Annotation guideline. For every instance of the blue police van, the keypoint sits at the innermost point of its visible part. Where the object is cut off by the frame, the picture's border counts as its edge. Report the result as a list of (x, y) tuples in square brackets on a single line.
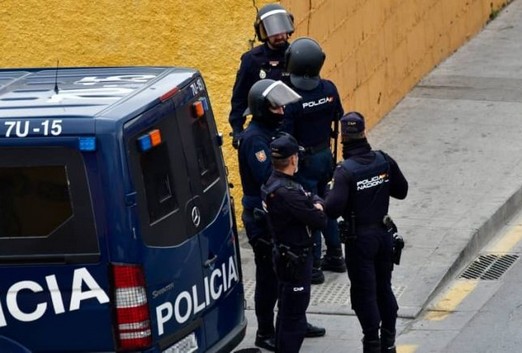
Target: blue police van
[(117, 231)]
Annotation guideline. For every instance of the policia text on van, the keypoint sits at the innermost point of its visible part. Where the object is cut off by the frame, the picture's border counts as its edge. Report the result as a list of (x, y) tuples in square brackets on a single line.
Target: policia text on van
[(116, 222)]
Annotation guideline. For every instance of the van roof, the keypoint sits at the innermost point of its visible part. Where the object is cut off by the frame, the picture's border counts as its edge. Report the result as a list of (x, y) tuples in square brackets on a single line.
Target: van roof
[(96, 92)]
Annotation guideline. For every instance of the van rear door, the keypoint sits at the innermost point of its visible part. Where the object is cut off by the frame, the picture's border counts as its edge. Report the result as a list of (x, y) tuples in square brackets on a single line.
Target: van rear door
[(185, 221), (210, 209)]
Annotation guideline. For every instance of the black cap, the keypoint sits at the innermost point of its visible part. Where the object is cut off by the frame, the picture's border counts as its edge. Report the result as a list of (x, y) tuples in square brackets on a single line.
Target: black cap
[(284, 146), (352, 126)]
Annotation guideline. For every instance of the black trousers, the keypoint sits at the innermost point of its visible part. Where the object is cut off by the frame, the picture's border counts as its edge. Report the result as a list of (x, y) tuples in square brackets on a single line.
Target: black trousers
[(294, 297), (265, 295), (370, 263)]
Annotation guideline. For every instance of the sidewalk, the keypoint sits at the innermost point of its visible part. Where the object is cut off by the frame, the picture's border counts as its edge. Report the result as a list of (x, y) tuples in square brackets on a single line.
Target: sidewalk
[(457, 137)]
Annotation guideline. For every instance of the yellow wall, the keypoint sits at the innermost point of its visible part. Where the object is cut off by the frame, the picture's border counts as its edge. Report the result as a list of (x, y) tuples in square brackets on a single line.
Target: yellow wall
[(376, 49), (209, 35)]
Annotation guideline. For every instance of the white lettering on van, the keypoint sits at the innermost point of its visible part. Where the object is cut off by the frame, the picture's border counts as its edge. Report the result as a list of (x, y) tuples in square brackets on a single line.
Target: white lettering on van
[(108, 93), (12, 301), (182, 297), (190, 303), (92, 80), (84, 287), (22, 128), (82, 276), (164, 314)]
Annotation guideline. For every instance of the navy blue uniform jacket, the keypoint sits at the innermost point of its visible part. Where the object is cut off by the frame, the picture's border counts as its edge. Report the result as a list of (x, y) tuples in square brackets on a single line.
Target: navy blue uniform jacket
[(310, 119), (254, 162), (270, 61), (292, 212), (338, 197)]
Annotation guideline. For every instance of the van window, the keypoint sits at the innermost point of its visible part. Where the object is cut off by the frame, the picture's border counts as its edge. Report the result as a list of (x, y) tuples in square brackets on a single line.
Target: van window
[(159, 183), (45, 207), (207, 163), (160, 178), (204, 161), (34, 201)]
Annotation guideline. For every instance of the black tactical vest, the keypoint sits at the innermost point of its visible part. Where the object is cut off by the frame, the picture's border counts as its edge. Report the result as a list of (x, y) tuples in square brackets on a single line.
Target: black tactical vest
[(369, 190)]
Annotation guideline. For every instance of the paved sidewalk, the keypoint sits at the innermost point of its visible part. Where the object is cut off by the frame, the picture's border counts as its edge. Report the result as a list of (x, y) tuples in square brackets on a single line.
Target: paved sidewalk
[(457, 136)]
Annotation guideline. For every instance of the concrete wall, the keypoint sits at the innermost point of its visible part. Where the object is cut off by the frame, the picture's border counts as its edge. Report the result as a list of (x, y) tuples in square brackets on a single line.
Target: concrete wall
[(376, 49)]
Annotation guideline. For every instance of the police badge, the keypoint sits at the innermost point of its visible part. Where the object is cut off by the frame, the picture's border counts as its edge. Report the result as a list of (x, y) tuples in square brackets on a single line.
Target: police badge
[(261, 156)]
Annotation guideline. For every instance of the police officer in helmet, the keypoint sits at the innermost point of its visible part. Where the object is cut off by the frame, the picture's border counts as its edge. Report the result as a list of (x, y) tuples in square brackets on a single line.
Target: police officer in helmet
[(266, 100), (273, 27), (292, 213), (360, 192), (314, 123)]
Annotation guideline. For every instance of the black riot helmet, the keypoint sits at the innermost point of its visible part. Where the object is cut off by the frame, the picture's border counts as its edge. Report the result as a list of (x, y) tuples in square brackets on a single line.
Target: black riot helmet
[(273, 19), (304, 59), (269, 93)]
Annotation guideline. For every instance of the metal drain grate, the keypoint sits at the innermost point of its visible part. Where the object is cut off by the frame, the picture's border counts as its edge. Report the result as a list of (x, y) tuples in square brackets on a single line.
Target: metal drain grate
[(489, 267), (330, 293)]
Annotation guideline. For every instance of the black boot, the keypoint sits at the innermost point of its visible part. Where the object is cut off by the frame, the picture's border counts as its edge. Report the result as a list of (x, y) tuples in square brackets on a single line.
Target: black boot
[(388, 341), (314, 331), (317, 273), (371, 346), (333, 264), (333, 260), (266, 341)]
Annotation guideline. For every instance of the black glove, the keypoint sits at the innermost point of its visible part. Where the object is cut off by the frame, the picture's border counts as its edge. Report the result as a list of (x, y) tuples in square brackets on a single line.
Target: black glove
[(235, 138)]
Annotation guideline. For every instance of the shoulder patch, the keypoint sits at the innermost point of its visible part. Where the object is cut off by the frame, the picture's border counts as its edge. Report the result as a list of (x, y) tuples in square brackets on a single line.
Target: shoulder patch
[(261, 156)]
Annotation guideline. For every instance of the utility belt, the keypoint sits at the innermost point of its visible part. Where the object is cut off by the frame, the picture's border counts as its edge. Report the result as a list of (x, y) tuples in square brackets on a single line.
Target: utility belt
[(294, 255), (348, 233), (290, 262), (317, 148), (348, 230), (376, 225)]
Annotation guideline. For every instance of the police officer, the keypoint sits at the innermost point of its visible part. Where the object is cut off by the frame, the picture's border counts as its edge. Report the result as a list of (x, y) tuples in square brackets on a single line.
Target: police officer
[(360, 192), (266, 99), (292, 213), (273, 27), (314, 122)]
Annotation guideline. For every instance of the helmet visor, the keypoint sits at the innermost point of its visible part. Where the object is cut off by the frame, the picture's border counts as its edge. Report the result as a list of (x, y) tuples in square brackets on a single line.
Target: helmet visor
[(276, 22), (278, 94)]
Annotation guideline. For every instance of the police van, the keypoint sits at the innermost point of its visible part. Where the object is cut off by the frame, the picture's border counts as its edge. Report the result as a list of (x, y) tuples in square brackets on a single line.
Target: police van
[(117, 231)]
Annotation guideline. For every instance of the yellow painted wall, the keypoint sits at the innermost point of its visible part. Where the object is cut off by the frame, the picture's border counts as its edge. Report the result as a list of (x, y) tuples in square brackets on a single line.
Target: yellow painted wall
[(209, 35), (376, 49)]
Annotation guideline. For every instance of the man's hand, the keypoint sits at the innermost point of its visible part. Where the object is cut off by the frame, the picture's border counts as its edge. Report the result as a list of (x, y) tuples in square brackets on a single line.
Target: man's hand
[(318, 206), (235, 139)]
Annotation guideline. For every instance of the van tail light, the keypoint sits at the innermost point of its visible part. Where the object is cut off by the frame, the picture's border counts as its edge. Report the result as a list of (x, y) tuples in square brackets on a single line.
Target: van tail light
[(133, 329)]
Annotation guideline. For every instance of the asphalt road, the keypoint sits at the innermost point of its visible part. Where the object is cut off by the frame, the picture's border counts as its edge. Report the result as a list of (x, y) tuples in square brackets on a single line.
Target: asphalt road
[(481, 310)]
